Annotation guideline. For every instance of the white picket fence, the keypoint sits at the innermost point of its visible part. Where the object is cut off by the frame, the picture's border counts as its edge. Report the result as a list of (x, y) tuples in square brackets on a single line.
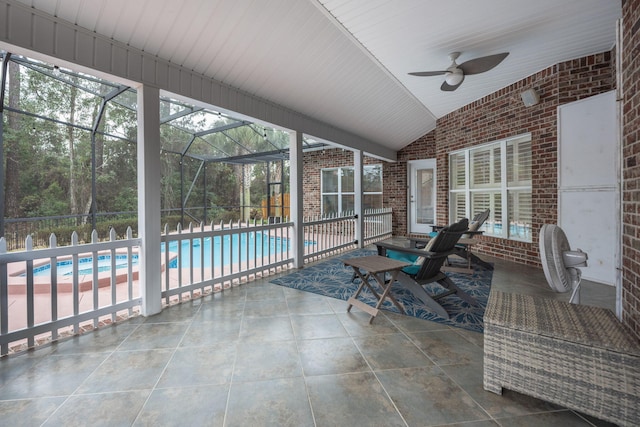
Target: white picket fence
[(39, 302), (37, 307)]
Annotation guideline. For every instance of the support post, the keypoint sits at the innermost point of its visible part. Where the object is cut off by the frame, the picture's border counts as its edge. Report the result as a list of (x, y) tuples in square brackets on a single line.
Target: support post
[(3, 80), (296, 197), (149, 227), (358, 160)]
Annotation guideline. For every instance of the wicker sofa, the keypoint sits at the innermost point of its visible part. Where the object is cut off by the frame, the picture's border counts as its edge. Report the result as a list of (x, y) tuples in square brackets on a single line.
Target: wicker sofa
[(576, 356)]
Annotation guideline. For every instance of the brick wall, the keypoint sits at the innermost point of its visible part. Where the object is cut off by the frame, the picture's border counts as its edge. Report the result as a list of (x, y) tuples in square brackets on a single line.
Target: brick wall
[(313, 162), (631, 164), (501, 115), (395, 177)]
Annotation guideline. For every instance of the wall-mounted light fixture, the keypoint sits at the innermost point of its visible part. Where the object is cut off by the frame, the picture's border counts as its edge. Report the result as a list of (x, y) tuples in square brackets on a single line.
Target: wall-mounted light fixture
[(530, 97)]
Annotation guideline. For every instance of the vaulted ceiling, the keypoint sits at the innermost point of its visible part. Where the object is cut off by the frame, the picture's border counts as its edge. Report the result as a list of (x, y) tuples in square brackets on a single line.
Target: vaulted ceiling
[(346, 62)]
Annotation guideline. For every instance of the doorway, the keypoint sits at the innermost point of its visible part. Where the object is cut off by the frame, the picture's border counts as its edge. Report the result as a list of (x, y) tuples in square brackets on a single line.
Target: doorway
[(422, 195)]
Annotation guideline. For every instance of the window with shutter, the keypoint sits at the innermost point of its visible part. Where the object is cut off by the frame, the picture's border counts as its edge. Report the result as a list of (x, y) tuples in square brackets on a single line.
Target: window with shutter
[(498, 178)]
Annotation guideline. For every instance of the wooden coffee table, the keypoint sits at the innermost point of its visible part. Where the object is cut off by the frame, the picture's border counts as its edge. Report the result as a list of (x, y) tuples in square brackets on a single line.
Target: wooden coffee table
[(375, 266)]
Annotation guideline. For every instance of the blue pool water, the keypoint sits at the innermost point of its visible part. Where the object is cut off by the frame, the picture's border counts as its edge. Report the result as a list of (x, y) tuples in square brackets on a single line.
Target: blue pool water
[(245, 246), (226, 249), (85, 265)]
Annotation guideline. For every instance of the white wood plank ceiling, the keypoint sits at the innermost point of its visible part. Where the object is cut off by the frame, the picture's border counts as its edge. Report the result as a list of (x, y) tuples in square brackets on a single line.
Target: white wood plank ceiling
[(345, 62)]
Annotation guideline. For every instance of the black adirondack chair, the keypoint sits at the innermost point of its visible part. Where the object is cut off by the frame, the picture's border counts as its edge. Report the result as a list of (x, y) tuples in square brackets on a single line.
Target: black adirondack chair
[(426, 266), (462, 249)]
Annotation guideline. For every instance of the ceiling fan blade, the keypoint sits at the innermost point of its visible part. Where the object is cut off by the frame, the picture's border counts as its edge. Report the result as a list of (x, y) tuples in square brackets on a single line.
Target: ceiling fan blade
[(480, 65), (448, 88), (427, 73)]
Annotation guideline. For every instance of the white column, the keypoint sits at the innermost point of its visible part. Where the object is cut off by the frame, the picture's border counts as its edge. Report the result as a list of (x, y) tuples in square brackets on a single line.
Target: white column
[(149, 227), (296, 197), (358, 160)]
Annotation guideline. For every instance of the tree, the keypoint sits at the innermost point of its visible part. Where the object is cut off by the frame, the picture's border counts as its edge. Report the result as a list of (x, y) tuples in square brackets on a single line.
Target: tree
[(73, 198), (11, 148)]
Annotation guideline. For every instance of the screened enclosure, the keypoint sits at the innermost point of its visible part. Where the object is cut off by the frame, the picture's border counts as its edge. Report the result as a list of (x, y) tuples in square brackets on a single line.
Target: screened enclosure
[(68, 148)]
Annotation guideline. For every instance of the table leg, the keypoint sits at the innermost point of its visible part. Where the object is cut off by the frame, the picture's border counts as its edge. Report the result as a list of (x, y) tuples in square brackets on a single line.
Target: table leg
[(394, 275), (363, 281), (384, 285)]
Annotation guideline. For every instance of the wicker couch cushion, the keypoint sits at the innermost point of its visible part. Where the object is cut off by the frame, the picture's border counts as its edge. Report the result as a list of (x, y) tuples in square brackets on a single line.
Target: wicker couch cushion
[(592, 326)]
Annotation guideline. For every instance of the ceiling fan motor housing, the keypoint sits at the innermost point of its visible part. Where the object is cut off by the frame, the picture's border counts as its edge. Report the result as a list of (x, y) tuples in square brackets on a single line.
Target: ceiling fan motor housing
[(454, 76)]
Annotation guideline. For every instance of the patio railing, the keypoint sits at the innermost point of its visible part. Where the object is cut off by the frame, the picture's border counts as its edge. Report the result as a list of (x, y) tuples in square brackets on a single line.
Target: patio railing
[(211, 258), (378, 225), (39, 301), (63, 290)]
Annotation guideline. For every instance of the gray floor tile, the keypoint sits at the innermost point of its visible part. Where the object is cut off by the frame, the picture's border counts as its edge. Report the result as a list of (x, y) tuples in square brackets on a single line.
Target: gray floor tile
[(547, 419), (103, 340), (154, 336), (331, 356), (53, 376), (266, 329), (219, 310), (428, 397), (351, 400), (185, 406), (266, 361), (473, 337), (230, 294), (104, 409), (192, 366), (391, 352), (127, 370), (357, 324), (264, 291), (337, 369), (308, 304), (278, 403), (484, 423), (317, 326), (14, 366), (266, 308), (413, 324), (28, 412), (509, 404), (211, 333), (446, 347), (182, 312)]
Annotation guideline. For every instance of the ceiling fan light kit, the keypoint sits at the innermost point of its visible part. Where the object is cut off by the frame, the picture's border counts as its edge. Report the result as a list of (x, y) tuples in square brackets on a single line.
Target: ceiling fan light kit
[(454, 74), (454, 77)]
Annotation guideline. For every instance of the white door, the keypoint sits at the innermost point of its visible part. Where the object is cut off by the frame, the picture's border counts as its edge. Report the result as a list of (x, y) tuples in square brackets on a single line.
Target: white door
[(422, 195)]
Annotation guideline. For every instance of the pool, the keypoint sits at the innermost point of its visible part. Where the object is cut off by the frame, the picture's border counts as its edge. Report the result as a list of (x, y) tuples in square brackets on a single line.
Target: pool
[(224, 250), (245, 246), (85, 265)]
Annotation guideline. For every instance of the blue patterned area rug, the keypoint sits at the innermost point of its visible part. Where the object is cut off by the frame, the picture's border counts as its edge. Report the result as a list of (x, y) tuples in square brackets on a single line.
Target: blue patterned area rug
[(333, 279)]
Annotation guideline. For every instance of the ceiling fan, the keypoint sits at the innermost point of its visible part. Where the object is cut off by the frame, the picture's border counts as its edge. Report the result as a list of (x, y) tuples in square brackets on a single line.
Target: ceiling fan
[(454, 74)]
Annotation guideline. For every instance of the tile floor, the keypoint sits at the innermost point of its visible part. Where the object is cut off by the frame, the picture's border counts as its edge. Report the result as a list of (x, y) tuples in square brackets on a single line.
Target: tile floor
[(265, 355)]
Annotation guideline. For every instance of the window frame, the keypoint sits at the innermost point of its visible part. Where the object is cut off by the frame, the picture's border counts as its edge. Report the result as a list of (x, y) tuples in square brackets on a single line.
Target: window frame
[(497, 194), (339, 193)]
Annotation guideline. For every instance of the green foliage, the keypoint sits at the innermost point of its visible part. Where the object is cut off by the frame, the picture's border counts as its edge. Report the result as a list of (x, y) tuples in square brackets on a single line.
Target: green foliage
[(50, 150), (50, 201), (63, 233)]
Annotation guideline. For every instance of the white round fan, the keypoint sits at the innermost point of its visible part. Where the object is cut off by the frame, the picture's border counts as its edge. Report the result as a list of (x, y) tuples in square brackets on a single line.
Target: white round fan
[(559, 262)]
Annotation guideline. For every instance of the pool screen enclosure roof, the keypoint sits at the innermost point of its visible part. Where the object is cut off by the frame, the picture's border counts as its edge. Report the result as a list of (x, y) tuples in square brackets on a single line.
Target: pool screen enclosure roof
[(188, 130), (110, 114)]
